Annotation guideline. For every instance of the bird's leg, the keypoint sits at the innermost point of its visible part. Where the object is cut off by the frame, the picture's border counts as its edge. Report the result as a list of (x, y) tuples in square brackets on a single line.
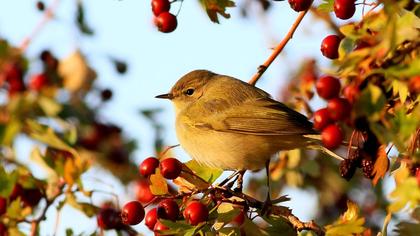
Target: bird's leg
[(267, 203), (228, 178), (240, 182)]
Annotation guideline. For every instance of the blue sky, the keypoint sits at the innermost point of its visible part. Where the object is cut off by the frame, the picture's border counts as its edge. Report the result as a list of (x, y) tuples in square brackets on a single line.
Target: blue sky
[(124, 29)]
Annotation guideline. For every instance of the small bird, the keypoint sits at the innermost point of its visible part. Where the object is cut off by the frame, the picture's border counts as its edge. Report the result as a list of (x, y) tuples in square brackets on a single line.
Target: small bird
[(226, 123)]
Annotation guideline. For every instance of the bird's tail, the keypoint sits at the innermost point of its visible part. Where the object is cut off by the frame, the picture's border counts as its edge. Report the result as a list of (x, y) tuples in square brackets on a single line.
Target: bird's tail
[(317, 145)]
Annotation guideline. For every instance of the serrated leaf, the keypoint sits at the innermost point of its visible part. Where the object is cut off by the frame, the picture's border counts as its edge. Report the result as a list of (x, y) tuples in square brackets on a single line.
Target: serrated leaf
[(349, 223), (401, 89), (226, 212), (253, 229), (406, 193), (208, 174), (158, 184), (229, 231), (7, 182), (217, 7), (326, 6), (381, 165)]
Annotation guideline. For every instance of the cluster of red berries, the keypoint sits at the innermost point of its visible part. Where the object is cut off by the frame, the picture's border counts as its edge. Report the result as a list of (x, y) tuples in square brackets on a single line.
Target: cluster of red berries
[(133, 212), (338, 109), (12, 75), (165, 21), (343, 9)]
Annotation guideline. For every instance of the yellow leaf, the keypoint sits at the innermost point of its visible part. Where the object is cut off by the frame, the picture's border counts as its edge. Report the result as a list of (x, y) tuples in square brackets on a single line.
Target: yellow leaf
[(158, 184), (351, 213), (348, 224), (69, 171), (76, 73), (406, 193), (381, 165), (188, 181), (401, 174)]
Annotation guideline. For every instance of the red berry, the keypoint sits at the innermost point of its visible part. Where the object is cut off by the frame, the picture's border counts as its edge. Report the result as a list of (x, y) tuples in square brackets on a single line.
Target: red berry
[(132, 213), (166, 22), (109, 218), (322, 118), (159, 6), (143, 193), (239, 219), (3, 230), (159, 227), (418, 175), (329, 46), (148, 166), (300, 5), (3, 205), (332, 136), (38, 81), (170, 168), (344, 9), (351, 92), (168, 209), (196, 212), (328, 87), (339, 108), (151, 218), (414, 85)]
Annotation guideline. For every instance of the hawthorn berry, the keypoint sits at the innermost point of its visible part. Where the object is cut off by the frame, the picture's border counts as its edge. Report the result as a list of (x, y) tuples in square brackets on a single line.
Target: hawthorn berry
[(344, 9), (166, 22), (196, 212), (328, 87), (109, 218), (148, 166), (329, 46), (168, 209), (159, 227), (414, 85), (322, 118), (240, 218), (300, 5), (132, 213), (339, 108), (159, 6), (170, 168), (38, 81), (143, 193), (3, 230), (347, 168), (418, 175), (351, 92), (151, 218), (332, 136), (3, 205)]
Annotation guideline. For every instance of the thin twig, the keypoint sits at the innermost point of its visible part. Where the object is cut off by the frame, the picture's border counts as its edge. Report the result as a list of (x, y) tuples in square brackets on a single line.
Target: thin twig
[(48, 15), (262, 68)]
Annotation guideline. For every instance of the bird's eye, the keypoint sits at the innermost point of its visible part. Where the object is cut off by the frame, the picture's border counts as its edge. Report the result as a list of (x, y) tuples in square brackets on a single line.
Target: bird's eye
[(189, 92)]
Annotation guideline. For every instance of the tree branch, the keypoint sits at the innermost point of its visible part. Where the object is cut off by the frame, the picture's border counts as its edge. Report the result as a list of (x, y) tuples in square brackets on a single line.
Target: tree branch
[(262, 68)]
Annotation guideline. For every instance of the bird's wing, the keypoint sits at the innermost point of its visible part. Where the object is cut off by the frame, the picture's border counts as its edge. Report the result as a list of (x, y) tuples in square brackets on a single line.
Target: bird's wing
[(261, 116)]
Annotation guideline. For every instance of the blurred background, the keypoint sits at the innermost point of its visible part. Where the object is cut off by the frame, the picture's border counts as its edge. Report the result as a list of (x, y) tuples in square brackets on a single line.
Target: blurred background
[(136, 62)]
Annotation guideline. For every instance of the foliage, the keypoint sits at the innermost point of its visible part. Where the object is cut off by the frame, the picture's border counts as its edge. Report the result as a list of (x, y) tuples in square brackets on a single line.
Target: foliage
[(378, 58)]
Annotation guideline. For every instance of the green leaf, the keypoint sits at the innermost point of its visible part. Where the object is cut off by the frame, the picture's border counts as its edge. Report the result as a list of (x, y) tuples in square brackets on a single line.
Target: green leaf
[(229, 231), (406, 193), (47, 135), (278, 224), (371, 102), (49, 106), (208, 174), (326, 6), (7, 182), (226, 212), (177, 227), (8, 132), (253, 229), (215, 7), (88, 209)]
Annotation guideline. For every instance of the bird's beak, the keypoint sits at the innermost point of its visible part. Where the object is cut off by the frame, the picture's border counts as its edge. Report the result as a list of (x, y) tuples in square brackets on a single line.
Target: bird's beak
[(165, 96)]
